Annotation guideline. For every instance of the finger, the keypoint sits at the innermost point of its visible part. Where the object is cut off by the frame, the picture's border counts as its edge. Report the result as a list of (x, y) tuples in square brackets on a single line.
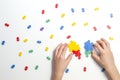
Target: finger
[(57, 49), (98, 47), (102, 44), (95, 56), (106, 42), (69, 58), (60, 50), (64, 50)]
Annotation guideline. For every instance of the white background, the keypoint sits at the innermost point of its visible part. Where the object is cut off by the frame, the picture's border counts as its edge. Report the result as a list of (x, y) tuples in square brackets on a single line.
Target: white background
[(11, 11)]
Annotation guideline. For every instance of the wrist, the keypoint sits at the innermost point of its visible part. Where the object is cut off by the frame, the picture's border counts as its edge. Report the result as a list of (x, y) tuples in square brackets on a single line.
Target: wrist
[(113, 73), (56, 76)]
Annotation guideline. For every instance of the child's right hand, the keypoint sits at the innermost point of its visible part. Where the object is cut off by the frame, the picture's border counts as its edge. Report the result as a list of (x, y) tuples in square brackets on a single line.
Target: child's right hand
[(105, 58)]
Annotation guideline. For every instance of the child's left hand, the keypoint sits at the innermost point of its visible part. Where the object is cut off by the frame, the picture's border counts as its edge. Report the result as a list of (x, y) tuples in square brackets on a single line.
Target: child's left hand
[(59, 61)]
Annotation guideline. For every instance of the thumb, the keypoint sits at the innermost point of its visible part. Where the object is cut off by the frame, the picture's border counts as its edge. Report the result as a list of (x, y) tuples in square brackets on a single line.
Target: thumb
[(95, 57), (69, 58)]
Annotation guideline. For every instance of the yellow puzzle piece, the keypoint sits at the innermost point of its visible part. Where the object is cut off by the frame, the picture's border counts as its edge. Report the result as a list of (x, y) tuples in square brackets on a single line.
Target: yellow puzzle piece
[(73, 46)]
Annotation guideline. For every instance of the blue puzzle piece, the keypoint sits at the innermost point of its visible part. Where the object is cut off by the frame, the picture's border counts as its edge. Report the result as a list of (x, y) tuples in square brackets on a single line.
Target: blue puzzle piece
[(13, 66), (29, 26), (67, 70), (72, 10), (103, 70), (61, 28), (88, 47), (83, 10), (111, 15), (3, 43)]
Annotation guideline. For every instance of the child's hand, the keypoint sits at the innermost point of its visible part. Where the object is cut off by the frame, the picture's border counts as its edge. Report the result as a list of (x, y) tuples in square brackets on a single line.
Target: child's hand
[(105, 58), (59, 61)]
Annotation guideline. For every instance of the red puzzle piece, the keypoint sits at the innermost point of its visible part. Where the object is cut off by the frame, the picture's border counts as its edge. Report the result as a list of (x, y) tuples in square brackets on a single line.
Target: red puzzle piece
[(77, 53)]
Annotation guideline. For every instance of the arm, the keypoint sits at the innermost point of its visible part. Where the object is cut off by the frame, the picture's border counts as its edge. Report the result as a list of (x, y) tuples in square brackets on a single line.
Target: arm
[(105, 58), (59, 62)]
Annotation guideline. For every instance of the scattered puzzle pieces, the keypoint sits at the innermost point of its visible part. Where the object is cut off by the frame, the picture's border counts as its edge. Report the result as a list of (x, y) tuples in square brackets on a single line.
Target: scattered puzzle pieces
[(111, 15), (51, 36), (43, 12), (108, 26), (61, 28), (12, 66), (56, 5), (26, 68), (48, 58), (86, 24), (83, 10), (74, 24), (25, 40), (68, 37), (39, 42), (103, 70), (7, 25), (73, 46), (62, 15), (24, 17), (48, 20), (84, 69), (46, 49), (111, 38), (96, 9), (29, 26), (3, 42), (30, 51), (36, 67), (17, 39), (42, 28), (20, 54), (67, 70), (94, 28), (72, 10)]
